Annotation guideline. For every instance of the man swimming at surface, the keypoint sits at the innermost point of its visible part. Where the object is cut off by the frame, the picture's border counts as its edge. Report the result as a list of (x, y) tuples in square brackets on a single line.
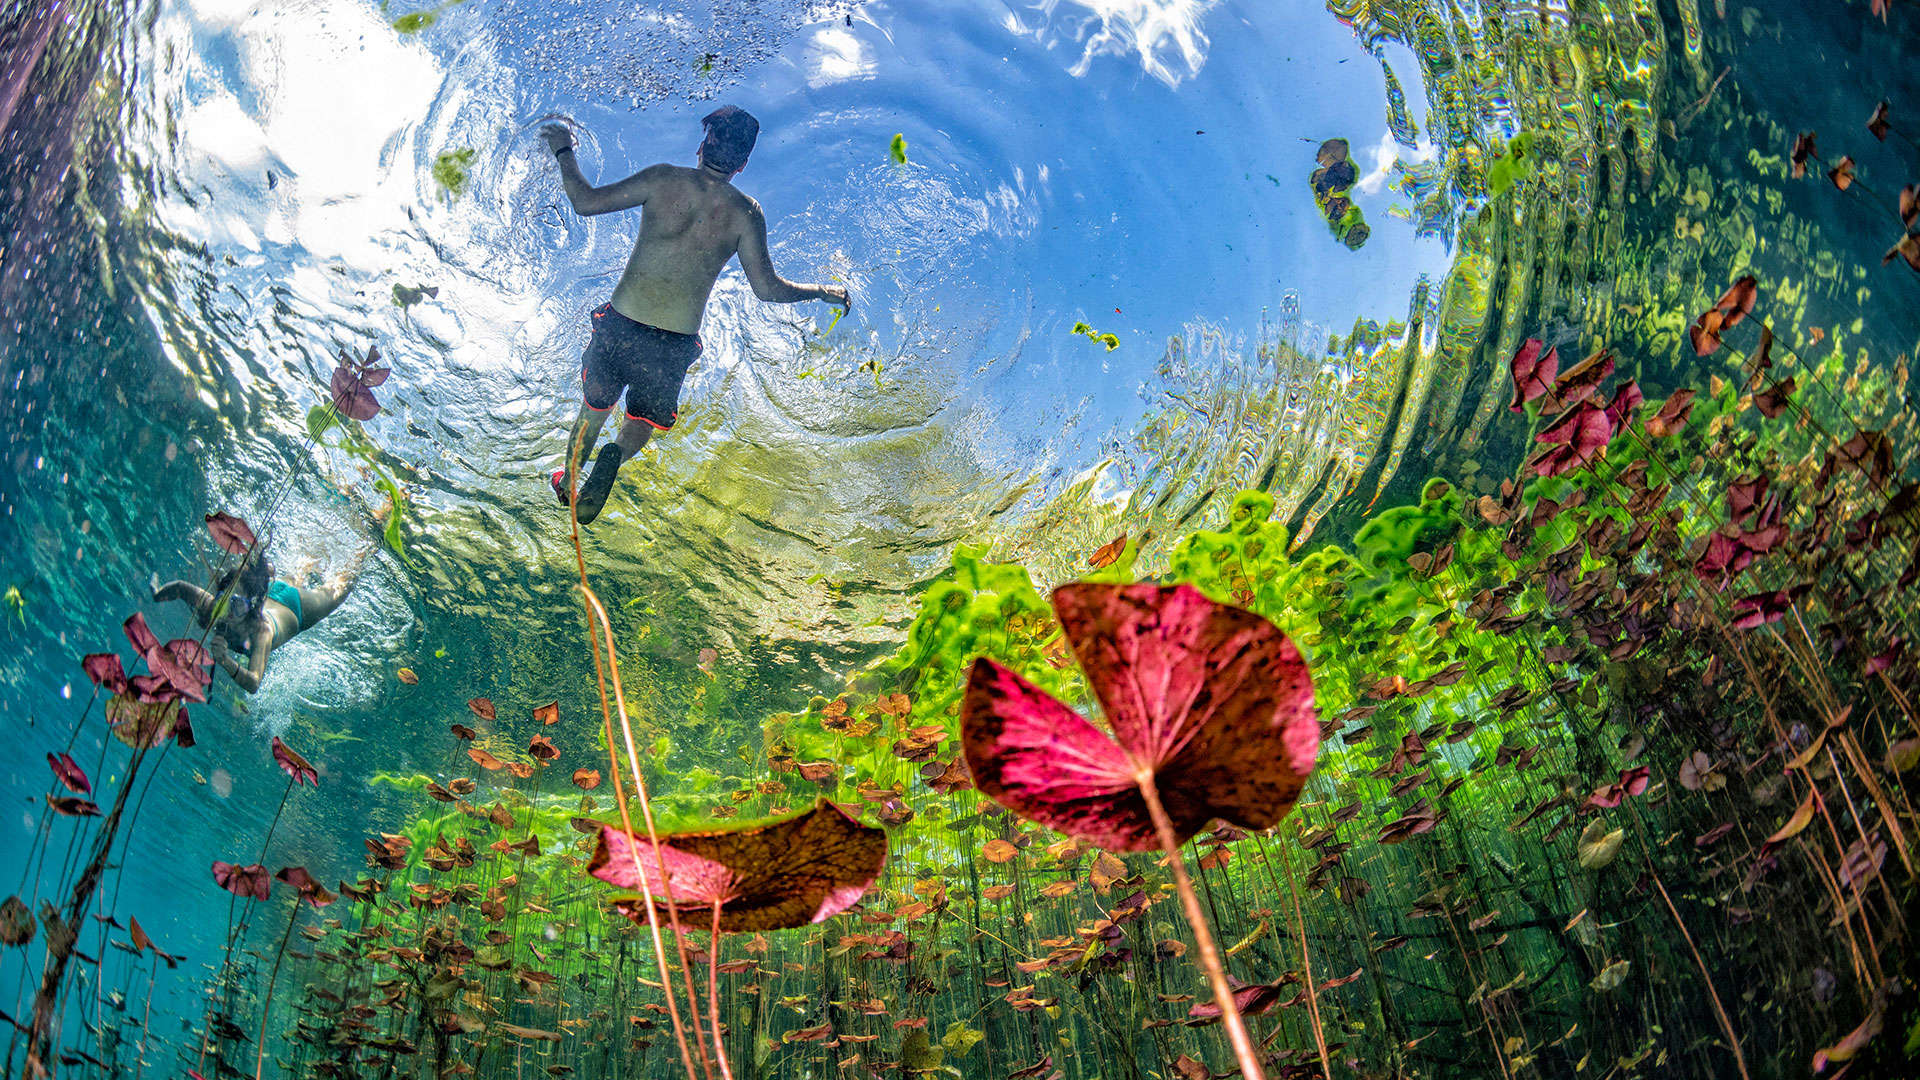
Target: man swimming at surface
[(691, 222), (261, 612)]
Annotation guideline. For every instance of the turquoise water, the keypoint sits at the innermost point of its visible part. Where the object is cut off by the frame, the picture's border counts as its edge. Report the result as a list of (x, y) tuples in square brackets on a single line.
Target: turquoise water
[(206, 202)]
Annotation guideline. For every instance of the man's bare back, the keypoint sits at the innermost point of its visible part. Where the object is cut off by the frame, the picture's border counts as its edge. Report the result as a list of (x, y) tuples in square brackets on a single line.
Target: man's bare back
[(691, 222)]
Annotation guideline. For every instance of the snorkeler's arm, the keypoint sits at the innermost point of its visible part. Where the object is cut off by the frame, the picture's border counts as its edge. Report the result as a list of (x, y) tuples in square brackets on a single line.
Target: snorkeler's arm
[(767, 283), (248, 678), (589, 200), (256, 669)]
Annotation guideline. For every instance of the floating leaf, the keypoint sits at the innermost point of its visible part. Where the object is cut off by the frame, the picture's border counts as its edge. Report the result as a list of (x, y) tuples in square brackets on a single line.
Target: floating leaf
[(548, 713), (1533, 374), (242, 881), (485, 760), (1108, 552), (1598, 847), (232, 534), (999, 851), (407, 676), (897, 149), (294, 765), (310, 890), (542, 748), (353, 383), (482, 708), (16, 922), (1210, 702), (1610, 976), (69, 773), (790, 872), (586, 779)]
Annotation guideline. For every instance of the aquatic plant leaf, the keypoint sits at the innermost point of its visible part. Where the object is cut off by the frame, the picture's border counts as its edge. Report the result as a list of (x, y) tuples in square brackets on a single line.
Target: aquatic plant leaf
[(482, 708), (1597, 846), (310, 890), (462, 731), (294, 765), (1802, 150), (999, 851), (1610, 976), (1213, 702), (242, 881), (1582, 381), (1253, 999), (1877, 122), (72, 806), (105, 671), (536, 1034), (1842, 173), (1907, 248), (142, 724), (542, 748), (485, 760), (586, 779), (1856, 1040), (1573, 441), (69, 773), (231, 533), (1773, 400), (1801, 817), (1759, 609), (1533, 374), (407, 676), (897, 149), (1626, 401), (548, 713), (16, 922), (353, 382), (1910, 206), (1108, 552), (786, 873)]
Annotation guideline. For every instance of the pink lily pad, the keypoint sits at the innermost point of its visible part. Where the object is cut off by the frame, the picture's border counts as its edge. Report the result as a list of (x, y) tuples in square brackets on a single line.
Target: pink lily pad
[(231, 533), (786, 873), (242, 881), (1533, 374), (1212, 703), (69, 773), (294, 765)]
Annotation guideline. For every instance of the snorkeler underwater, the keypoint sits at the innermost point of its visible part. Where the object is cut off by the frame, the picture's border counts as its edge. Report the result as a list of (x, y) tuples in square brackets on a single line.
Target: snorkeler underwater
[(1143, 539)]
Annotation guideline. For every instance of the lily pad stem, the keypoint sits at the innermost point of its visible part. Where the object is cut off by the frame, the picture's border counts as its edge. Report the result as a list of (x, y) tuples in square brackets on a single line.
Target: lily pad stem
[(1243, 1048)]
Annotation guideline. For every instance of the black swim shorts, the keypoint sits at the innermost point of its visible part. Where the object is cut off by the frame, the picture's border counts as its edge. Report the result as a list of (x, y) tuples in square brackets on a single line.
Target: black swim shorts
[(647, 362)]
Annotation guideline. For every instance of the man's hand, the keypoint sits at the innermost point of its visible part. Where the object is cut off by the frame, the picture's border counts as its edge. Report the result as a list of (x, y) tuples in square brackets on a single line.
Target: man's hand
[(836, 295), (558, 137)]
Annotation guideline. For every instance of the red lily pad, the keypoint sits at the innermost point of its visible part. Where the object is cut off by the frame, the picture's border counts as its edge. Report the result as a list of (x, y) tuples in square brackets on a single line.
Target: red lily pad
[(310, 890), (69, 773), (105, 671), (792, 872), (242, 881), (1212, 703), (294, 765), (353, 382), (232, 534), (1533, 374)]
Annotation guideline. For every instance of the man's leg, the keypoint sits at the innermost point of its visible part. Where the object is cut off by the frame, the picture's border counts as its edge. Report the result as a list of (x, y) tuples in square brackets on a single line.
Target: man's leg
[(580, 442), (634, 433)]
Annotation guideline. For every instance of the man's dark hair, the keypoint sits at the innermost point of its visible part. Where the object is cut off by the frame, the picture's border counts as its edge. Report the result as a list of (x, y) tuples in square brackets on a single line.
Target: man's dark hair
[(731, 132)]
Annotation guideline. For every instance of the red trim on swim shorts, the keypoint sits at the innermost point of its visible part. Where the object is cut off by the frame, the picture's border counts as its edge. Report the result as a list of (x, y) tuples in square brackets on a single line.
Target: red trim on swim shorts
[(596, 408), (652, 424)]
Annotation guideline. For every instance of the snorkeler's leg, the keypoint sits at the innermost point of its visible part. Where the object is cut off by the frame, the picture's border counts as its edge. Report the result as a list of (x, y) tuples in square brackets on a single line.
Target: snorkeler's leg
[(606, 467), (580, 440), (200, 600)]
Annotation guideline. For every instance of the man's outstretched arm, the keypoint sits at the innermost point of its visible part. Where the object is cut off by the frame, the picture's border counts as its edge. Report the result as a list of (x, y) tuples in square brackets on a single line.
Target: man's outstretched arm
[(587, 199), (767, 284)]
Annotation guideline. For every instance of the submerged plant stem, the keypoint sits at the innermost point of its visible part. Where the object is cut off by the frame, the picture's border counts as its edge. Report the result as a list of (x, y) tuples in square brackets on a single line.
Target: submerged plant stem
[(713, 994), (266, 1009), (1243, 1047), (1719, 1011), (1306, 972)]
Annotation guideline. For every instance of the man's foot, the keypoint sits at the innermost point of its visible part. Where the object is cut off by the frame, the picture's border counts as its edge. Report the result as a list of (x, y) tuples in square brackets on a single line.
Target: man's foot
[(153, 586), (558, 481), (593, 494)]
